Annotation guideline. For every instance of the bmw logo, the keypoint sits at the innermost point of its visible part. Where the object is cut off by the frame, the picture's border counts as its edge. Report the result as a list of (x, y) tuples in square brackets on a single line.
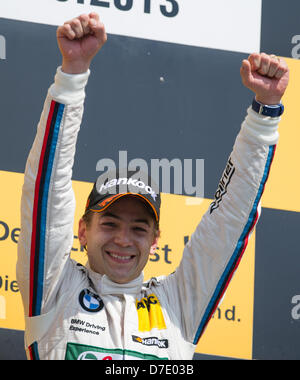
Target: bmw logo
[(90, 302)]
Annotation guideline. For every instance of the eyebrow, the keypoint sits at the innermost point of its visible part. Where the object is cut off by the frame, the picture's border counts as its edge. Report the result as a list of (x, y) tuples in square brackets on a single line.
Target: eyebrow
[(111, 215)]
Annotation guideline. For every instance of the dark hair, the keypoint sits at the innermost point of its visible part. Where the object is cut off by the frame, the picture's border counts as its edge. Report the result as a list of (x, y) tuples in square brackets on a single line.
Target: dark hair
[(87, 217)]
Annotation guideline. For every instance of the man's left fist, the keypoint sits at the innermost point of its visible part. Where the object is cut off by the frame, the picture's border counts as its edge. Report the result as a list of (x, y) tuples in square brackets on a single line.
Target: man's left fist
[(267, 76)]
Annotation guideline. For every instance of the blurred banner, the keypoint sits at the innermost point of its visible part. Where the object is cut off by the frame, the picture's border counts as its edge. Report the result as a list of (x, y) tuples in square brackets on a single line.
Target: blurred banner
[(212, 24)]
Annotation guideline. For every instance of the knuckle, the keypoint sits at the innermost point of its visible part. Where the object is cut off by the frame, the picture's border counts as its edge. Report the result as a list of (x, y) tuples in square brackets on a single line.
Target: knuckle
[(265, 59), (94, 14), (75, 22), (84, 18), (67, 28), (281, 66), (255, 55), (274, 63)]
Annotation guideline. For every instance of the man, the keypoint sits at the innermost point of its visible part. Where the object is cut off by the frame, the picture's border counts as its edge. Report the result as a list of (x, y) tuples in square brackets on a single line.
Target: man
[(104, 311)]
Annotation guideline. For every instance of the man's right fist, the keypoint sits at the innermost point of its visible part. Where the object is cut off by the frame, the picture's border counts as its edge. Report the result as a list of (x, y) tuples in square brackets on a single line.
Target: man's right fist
[(79, 40)]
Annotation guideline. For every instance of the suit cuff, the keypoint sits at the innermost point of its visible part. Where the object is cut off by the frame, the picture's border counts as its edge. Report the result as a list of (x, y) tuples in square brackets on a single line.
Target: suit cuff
[(69, 88)]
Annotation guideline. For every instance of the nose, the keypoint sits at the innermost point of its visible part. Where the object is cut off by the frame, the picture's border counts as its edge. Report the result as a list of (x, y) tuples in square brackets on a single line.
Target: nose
[(122, 237)]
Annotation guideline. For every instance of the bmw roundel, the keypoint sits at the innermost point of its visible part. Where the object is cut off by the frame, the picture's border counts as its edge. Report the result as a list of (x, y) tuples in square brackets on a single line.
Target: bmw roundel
[(90, 302)]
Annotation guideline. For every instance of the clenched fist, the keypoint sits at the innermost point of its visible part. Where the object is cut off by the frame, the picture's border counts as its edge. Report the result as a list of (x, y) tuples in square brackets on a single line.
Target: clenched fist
[(79, 40), (267, 76)]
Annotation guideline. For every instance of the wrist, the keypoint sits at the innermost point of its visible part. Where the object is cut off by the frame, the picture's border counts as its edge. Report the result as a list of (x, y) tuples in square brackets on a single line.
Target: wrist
[(270, 110), (268, 101), (75, 67)]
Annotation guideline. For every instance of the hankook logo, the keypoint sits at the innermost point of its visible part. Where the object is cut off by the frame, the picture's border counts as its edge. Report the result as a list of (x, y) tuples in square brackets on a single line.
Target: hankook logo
[(126, 181), (151, 341)]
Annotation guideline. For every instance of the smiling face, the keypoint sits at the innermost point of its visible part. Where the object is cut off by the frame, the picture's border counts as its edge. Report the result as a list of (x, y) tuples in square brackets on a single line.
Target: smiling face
[(119, 239)]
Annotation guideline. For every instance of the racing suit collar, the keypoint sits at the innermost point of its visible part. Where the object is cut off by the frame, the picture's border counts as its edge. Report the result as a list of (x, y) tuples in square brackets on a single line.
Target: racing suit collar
[(105, 286)]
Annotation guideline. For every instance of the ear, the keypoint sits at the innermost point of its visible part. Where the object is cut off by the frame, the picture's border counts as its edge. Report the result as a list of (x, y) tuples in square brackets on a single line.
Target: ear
[(154, 244), (82, 232)]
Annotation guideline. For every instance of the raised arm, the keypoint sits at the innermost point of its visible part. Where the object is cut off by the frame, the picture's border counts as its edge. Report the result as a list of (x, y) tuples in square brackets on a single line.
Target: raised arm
[(47, 205), (215, 249)]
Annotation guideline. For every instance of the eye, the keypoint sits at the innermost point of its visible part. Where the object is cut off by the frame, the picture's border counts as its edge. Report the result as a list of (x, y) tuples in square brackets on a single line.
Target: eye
[(108, 224), (140, 229)]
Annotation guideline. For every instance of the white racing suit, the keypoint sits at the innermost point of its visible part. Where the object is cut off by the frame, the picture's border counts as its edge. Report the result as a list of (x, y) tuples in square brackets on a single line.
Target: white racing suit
[(72, 312)]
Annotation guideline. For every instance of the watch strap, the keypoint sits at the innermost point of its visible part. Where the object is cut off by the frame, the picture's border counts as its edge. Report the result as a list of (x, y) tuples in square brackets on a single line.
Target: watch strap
[(265, 110)]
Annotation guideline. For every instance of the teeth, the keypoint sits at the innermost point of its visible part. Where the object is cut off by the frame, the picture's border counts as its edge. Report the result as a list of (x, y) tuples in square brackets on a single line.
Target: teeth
[(119, 257)]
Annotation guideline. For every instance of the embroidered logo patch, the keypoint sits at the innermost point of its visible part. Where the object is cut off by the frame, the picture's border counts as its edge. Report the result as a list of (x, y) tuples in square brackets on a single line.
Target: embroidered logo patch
[(90, 302), (151, 341)]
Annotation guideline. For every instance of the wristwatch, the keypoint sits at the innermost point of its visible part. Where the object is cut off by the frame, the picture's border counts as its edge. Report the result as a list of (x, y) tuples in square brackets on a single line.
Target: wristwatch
[(271, 111)]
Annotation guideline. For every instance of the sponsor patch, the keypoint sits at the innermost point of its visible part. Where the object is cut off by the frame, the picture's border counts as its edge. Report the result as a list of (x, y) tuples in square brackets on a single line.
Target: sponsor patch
[(90, 302), (140, 185), (151, 341), (77, 351), (223, 184), (150, 315)]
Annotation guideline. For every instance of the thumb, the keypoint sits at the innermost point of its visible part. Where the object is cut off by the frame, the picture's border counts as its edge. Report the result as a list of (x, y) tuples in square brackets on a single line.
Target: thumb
[(246, 72)]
